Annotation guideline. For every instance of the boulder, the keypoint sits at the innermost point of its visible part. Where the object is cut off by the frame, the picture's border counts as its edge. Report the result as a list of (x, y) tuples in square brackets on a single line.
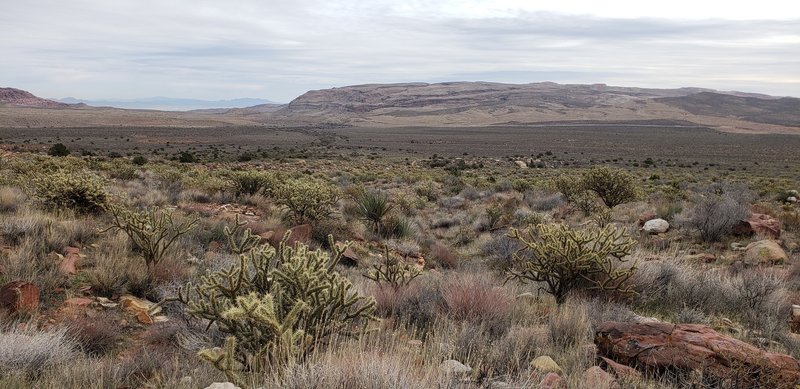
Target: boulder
[(521, 164), (552, 381), (658, 347), (19, 296), (758, 224), (645, 217), (451, 366), (791, 199), (69, 261), (597, 378), (349, 257), (545, 364), (656, 226), (764, 252), (621, 371), (301, 233), (222, 385), (144, 310)]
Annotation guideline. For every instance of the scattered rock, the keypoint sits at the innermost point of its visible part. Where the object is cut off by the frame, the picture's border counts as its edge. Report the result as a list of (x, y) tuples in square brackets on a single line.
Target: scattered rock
[(222, 385), (690, 347), (552, 381), (645, 217), (791, 199), (621, 371), (78, 302), (69, 261), (144, 310), (521, 164), (764, 252), (349, 257), (758, 224), (597, 378), (451, 366), (19, 296), (736, 246), (656, 226), (545, 364), (702, 257), (527, 297)]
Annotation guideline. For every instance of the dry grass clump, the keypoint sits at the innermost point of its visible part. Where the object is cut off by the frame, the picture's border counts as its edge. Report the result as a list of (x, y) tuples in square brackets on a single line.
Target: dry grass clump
[(96, 336), (479, 299), (11, 199), (31, 351)]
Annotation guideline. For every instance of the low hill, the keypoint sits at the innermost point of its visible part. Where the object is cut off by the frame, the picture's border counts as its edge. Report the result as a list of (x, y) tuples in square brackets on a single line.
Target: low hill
[(20, 98)]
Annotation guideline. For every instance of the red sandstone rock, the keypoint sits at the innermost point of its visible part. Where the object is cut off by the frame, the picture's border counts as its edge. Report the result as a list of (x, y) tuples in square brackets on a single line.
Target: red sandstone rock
[(19, 296), (664, 346), (69, 263), (759, 224)]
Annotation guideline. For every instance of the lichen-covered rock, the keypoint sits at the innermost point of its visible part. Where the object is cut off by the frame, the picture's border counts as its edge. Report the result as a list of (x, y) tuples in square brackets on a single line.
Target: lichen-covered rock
[(545, 364), (656, 226), (764, 252)]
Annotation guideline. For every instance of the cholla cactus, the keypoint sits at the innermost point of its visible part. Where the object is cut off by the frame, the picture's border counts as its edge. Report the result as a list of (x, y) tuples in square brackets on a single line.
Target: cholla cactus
[(153, 231), (306, 200), (392, 272), (277, 305), (565, 259)]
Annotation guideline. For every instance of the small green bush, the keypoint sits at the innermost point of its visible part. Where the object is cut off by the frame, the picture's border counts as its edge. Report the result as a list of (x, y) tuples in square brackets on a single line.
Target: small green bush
[(613, 186), (58, 150), (139, 160), (306, 200), (82, 190), (250, 182), (374, 207)]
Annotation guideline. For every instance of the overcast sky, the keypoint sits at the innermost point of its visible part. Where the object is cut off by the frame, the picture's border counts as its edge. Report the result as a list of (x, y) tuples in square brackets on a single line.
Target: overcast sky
[(95, 49)]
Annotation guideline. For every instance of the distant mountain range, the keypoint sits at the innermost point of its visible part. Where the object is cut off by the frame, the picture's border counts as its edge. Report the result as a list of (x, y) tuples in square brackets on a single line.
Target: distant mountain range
[(450, 104), (168, 103)]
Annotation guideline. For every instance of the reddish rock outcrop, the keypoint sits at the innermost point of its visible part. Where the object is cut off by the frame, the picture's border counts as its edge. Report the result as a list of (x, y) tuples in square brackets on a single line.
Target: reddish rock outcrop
[(19, 296), (69, 263), (759, 224), (663, 347), (18, 97)]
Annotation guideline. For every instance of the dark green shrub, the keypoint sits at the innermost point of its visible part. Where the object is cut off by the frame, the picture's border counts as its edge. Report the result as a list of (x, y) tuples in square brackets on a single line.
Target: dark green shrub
[(613, 186), (250, 182), (58, 150), (82, 191), (139, 160)]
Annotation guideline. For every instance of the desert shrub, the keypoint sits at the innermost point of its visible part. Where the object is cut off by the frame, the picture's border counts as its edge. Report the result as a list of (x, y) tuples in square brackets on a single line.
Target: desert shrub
[(392, 272), (444, 256), (500, 251), (569, 325), (692, 316), (58, 150), (251, 182), (31, 351), (418, 305), (716, 212), (306, 200), (352, 370), (152, 231), (398, 227), (477, 299), (427, 190), (568, 185), (790, 218), (670, 286), (187, 157), (11, 199), (276, 305), (82, 191), (566, 259), (374, 208), (543, 202), (521, 185), (139, 160), (613, 186), (95, 336)]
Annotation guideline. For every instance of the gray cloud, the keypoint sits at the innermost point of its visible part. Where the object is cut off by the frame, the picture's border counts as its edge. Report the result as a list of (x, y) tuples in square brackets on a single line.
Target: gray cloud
[(278, 50)]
